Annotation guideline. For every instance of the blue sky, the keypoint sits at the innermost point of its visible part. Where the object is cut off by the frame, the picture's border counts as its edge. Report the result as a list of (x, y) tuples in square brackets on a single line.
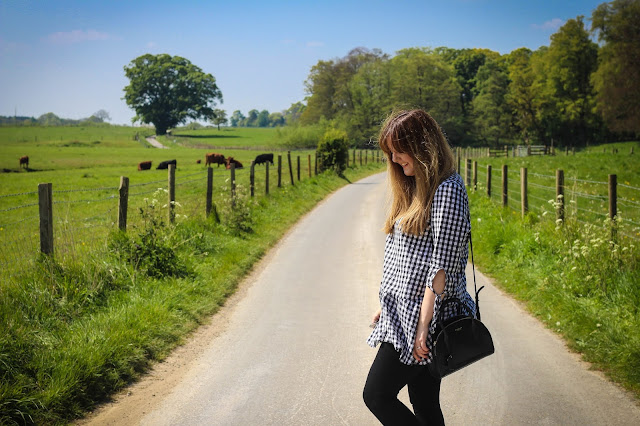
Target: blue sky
[(67, 57)]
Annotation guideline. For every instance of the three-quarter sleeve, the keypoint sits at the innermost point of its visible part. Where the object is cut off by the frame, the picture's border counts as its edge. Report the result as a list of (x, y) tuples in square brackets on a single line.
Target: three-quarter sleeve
[(449, 230)]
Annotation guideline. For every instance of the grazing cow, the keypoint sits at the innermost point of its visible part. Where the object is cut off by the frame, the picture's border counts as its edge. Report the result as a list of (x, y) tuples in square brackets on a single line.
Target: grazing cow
[(24, 160), (231, 160), (144, 165), (214, 158), (165, 164), (198, 161), (263, 158)]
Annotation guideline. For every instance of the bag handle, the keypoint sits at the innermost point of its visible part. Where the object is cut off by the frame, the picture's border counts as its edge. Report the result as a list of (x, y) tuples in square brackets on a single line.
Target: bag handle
[(475, 288)]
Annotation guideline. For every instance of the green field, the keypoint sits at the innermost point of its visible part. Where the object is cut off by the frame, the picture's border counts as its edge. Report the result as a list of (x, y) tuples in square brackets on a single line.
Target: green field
[(83, 326), (84, 165), (585, 179)]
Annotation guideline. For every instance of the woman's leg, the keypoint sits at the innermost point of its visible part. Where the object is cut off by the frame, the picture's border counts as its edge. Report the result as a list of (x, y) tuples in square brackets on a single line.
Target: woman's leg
[(424, 393), (386, 377)]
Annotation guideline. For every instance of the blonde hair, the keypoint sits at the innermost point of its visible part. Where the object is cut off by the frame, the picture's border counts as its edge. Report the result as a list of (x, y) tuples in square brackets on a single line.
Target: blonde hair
[(417, 134)]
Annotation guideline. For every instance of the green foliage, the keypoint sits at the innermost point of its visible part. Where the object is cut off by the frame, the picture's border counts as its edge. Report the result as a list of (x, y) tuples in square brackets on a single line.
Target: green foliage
[(151, 250), (301, 137), (617, 79), (238, 213), (333, 150), (168, 90), (574, 277), (75, 332)]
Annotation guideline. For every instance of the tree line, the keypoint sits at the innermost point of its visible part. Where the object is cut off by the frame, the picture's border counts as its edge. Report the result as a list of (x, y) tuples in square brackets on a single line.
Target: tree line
[(50, 119), (573, 92)]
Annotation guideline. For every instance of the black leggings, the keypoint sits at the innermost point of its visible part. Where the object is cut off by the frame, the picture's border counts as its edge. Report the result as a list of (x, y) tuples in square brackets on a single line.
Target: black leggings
[(387, 376)]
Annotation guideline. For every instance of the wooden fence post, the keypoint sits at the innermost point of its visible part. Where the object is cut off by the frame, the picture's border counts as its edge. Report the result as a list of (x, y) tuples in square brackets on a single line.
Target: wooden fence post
[(354, 157), (506, 151), (279, 171), (233, 185), (298, 161), (45, 202), (489, 180), (252, 177), (475, 175), (505, 186), (366, 156), (309, 163), (467, 173), (266, 179), (172, 193), (613, 203), (316, 162), (123, 203), (560, 195), (360, 157), (524, 199), (458, 159), (209, 190), (290, 166)]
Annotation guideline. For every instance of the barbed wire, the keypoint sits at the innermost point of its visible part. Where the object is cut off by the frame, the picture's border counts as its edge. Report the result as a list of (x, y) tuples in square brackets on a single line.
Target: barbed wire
[(541, 175), (96, 200), (535, 185), (143, 193), (19, 207), (591, 211), (147, 183), (20, 221), (588, 196), (20, 193), (189, 181), (629, 186), (588, 181), (109, 188)]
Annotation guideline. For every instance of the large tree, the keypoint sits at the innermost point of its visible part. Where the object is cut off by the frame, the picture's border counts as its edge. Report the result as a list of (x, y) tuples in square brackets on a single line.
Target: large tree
[(571, 59), (617, 80), (168, 90), (492, 115)]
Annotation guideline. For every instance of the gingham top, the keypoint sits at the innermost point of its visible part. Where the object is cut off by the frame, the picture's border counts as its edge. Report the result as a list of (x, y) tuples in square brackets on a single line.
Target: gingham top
[(410, 264)]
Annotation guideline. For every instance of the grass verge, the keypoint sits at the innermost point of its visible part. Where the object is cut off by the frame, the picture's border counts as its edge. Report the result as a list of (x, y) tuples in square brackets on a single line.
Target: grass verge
[(77, 332), (574, 277)]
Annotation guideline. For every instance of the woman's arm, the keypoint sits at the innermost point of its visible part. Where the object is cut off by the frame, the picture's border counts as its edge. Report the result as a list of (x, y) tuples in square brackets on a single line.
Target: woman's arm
[(420, 350)]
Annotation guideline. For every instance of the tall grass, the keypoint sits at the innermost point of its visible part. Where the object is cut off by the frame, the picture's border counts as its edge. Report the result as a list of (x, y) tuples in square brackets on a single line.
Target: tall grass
[(573, 276), (74, 332)]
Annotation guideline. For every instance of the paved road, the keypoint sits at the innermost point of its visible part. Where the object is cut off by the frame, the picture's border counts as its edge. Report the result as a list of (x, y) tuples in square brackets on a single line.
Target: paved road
[(293, 352), (154, 142)]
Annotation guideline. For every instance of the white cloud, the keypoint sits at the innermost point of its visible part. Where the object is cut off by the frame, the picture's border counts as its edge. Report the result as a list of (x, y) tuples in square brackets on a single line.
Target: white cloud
[(151, 45), (76, 36), (552, 25), (315, 44), (287, 41)]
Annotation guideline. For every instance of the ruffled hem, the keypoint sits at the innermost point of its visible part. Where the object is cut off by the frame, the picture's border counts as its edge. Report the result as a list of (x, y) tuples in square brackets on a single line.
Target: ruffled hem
[(407, 312)]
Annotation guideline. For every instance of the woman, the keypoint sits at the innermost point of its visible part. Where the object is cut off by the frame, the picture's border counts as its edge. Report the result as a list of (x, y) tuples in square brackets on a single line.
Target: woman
[(424, 261)]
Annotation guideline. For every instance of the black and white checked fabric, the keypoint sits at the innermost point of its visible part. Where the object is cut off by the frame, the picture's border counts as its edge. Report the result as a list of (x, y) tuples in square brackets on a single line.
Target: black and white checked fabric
[(411, 262)]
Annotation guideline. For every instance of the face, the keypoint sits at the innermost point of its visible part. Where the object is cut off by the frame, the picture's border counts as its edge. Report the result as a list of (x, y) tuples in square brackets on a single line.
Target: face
[(404, 160)]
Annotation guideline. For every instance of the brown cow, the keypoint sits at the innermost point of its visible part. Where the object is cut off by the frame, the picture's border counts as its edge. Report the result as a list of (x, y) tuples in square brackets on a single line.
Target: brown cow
[(198, 161), (214, 158), (144, 165), (232, 160), (24, 160)]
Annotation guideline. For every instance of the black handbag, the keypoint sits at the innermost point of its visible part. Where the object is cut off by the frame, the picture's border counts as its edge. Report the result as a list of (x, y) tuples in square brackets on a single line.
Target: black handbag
[(462, 339)]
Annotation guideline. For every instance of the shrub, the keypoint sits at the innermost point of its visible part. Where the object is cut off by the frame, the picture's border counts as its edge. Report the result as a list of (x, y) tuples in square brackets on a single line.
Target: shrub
[(333, 150), (150, 250)]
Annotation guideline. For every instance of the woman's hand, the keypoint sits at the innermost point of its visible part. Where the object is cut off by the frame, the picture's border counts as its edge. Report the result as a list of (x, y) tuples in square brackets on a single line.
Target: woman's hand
[(420, 350), (376, 318)]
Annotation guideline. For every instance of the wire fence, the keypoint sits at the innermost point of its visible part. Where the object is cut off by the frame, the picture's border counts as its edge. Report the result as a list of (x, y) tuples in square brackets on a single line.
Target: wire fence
[(585, 201), (83, 218)]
